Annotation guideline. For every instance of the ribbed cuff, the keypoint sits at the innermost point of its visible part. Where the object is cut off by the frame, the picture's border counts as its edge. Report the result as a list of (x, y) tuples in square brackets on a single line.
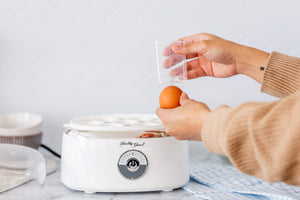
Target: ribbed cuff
[(212, 135), (281, 77)]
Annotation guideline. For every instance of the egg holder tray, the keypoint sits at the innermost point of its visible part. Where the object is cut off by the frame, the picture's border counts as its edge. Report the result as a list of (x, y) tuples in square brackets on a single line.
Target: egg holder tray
[(117, 123)]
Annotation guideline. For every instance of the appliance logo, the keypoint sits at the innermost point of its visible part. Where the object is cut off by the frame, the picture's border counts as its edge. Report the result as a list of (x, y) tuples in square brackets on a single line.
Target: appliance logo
[(132, 144)]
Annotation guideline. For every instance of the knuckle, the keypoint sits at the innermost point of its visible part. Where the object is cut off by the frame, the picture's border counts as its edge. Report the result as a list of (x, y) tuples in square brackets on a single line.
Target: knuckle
[(186, 48), (205, 44), (169, 130), (192, 101), (207, 35)]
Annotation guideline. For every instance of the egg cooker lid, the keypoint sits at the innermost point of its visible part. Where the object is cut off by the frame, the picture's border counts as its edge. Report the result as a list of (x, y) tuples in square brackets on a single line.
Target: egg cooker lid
[(116, 123)]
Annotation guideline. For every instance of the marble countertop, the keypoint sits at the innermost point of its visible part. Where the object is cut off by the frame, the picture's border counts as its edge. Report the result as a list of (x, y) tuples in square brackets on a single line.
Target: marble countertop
[(55, 190)]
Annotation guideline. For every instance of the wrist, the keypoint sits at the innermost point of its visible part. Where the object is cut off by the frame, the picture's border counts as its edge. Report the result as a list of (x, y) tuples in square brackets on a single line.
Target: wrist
[(213, 134), (203, 113), (249, 62)]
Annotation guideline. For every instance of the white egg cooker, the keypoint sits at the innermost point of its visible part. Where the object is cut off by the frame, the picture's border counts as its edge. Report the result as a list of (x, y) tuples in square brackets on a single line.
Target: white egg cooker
[(103, 154)]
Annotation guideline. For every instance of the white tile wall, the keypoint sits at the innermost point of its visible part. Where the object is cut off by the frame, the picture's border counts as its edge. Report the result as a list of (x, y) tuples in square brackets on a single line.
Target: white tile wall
[(67, 58)]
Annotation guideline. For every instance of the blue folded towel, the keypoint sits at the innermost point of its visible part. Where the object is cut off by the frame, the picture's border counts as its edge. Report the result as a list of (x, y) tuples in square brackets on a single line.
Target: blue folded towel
[(217, 181)]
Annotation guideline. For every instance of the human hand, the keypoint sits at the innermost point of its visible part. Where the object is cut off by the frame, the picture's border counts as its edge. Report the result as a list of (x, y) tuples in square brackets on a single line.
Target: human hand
[(216, 57), (184, 122)]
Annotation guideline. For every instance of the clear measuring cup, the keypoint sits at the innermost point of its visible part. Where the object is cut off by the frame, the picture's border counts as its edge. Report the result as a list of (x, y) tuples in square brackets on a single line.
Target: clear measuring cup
[(171, 67), (22, 173)]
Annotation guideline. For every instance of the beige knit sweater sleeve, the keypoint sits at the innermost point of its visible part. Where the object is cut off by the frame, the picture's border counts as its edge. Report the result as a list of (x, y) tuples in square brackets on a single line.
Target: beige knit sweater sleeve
[(263, 139)]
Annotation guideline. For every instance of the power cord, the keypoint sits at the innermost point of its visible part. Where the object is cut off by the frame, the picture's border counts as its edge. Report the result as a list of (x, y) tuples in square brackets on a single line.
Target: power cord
[(50, 150)]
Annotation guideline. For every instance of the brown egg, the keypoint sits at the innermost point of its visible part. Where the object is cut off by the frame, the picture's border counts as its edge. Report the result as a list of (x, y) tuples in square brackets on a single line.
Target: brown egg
[(170, 97)]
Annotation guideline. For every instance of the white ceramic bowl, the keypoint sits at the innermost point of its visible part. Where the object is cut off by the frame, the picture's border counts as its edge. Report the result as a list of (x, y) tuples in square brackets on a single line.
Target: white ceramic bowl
[(21, 128)]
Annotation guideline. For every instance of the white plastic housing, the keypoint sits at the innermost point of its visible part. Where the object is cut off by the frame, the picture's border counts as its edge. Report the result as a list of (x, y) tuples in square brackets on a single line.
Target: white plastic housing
[(90, 164)]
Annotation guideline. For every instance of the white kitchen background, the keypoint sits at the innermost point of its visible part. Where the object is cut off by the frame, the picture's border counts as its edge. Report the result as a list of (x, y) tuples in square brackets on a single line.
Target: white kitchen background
[(67, 58)]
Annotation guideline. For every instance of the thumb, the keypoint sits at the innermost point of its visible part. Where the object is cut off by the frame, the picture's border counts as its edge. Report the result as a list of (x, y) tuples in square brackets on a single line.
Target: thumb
[(159, 112), (184, 99), (163, 114), (198, 47)]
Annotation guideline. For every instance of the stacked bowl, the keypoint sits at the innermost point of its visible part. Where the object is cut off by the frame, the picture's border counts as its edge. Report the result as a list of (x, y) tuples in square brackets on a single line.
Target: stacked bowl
[(21, 128)]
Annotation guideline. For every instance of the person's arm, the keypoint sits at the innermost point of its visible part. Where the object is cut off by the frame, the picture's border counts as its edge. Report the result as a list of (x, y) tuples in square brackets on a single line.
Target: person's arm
[(216, 57), (282, 75), (260, 139), (263, 139)]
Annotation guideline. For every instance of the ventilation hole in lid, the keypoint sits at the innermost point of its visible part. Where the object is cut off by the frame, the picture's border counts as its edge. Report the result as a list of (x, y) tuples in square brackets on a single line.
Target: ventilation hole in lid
[(104, 125), (100, 125), (130, 121), (121, 121), (153, 124), (152, 119), (117, 124), (139, 124), (112, 119), (120, 118), (134, 118), (96, 122)]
